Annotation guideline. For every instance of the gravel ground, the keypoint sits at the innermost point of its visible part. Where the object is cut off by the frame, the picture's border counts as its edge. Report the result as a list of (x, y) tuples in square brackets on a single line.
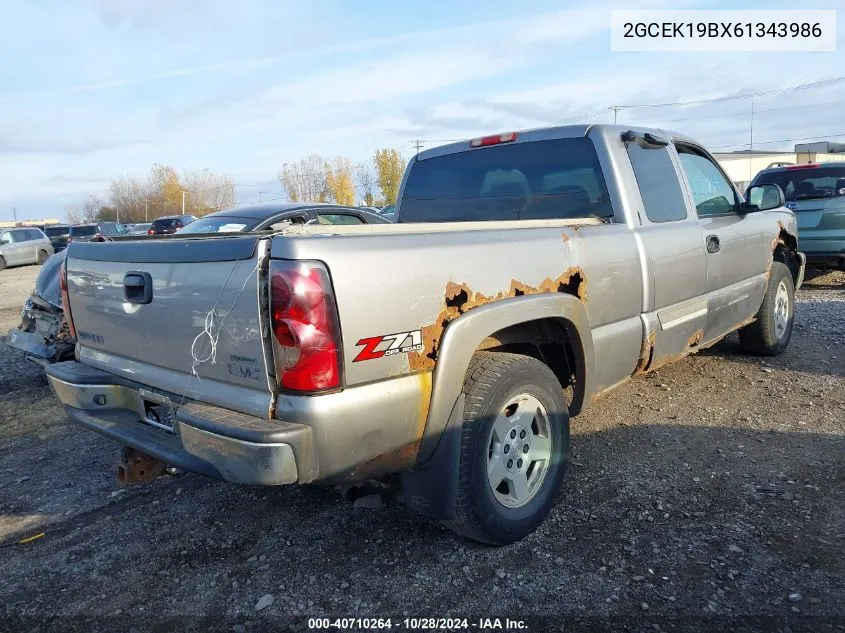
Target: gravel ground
[(706, 495)]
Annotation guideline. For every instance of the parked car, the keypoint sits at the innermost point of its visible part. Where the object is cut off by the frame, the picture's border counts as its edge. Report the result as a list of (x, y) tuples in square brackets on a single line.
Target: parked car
[(265, 217), (95, 231), (169, 224), (816, 193), (43, 335), (26, 245), (139, 229), (442, 348), (57, 234)]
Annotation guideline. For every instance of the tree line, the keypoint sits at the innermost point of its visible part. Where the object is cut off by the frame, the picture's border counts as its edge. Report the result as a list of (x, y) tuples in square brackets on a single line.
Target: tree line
[(165, 191), (162, 192), (316, 179)]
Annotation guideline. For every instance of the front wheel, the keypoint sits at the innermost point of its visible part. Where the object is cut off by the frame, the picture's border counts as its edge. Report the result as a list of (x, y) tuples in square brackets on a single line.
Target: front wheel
[(42, 256), (771, 331), (514, 447)]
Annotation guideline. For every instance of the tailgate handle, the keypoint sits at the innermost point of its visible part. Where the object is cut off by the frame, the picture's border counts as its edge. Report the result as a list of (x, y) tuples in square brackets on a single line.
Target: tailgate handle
[(138, 287)]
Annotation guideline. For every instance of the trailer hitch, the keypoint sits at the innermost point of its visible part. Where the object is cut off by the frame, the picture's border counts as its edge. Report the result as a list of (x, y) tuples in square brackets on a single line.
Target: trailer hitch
[(137, 467)]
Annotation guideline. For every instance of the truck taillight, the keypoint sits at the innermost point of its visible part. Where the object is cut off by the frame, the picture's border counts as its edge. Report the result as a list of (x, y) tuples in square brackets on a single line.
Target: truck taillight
[(65, 299), (306, 335)]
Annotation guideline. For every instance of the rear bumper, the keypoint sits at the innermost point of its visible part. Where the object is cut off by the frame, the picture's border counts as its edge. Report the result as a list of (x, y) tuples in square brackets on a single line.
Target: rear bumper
[(205, 439), (802, 269), (826, 259)]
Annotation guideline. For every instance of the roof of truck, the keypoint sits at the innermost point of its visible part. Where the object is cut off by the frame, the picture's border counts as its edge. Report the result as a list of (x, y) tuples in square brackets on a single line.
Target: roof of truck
[(549, 133)]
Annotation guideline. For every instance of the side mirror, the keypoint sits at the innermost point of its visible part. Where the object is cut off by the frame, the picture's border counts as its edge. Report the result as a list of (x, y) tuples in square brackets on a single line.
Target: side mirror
[(763, 198)]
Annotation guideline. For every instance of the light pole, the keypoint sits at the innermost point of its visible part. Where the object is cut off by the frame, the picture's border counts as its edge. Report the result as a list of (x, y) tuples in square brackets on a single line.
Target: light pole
[(146, 210), (183, 201)]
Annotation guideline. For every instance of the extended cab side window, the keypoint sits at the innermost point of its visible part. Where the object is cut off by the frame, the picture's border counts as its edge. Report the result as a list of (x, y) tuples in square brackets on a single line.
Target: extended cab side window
[(663, 198), (712, 192)]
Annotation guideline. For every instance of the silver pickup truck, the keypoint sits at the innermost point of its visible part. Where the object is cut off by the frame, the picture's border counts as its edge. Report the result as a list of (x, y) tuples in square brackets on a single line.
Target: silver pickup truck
[(527, 274)]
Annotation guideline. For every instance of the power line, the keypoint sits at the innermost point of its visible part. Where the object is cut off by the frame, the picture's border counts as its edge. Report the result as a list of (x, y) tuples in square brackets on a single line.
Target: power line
[(783, 140), (815, 84)]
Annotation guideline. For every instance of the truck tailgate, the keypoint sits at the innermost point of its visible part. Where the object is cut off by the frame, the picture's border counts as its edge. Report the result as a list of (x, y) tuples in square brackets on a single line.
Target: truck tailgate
[(196, 334)]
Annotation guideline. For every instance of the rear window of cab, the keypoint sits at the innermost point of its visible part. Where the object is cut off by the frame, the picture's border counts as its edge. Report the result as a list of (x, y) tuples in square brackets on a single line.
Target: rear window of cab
[(558, 178)]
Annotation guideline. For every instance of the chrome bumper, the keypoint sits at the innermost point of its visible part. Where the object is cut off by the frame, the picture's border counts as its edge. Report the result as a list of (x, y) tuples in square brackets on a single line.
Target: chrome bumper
[(205, 439)]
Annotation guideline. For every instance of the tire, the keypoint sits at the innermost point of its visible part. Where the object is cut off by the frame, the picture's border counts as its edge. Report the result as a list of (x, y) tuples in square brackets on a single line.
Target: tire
[(42, 256), (501, 390), (2, 263), (770, 333)]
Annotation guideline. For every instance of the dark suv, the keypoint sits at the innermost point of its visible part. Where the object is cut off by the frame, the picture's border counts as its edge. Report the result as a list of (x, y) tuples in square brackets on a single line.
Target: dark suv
[(95, 232), (58, 234), (816, 194), (169, 224)]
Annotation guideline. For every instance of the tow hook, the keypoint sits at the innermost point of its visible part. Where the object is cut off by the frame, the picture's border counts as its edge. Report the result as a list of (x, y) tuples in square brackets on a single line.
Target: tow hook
[(137, 467)]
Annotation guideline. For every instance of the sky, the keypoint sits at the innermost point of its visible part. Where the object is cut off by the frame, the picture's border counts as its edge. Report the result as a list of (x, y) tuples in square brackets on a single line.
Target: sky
[(97, 89)]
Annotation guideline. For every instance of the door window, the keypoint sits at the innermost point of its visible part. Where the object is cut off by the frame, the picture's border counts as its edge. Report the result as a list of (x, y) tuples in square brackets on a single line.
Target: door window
[(663, 199), (712, 192), (338, 218)]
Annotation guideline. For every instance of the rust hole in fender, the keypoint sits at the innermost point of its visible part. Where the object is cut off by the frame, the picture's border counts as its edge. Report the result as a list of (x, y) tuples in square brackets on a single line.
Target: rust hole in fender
[(460, 298)]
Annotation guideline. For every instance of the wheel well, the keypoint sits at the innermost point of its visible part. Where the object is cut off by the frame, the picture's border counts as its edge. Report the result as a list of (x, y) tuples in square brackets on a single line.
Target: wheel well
[(552, 341), (787, 257)]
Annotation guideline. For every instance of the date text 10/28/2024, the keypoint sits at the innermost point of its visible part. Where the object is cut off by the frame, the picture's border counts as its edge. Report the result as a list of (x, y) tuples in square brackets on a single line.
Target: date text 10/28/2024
[(417, 624)]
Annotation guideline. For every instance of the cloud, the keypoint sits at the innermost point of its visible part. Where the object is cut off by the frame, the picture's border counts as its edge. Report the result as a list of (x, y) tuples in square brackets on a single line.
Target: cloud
[(62, 146)]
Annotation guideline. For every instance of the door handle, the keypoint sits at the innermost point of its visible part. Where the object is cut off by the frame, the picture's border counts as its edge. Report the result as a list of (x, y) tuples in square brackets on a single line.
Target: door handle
[(713, 245), (138, 287)]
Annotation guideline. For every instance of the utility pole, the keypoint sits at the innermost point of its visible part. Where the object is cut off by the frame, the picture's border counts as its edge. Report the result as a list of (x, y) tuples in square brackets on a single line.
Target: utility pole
[(751, 140), (183, 201), (260, 193), (146, 210), (15, 214), (117, 213), (615, 109), (418, 143)]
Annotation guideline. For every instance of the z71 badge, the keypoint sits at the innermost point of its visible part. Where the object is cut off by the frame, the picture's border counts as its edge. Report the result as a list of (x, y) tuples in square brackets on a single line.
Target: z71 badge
[(389, 344)]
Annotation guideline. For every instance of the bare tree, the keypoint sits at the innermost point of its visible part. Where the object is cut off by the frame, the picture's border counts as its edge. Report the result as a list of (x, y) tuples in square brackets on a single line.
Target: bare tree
[(207, 191), (366, 184), (305, 181)]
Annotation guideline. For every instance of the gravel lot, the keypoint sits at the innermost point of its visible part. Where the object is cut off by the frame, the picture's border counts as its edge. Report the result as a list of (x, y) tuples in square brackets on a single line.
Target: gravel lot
[(707, 495)]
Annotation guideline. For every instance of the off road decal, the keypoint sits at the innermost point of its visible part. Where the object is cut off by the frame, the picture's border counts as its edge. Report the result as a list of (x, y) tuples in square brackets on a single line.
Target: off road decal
[(403, 342)]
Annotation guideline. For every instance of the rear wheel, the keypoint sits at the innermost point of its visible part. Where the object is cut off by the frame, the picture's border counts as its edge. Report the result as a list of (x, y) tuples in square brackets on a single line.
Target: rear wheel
[(42, 256), (2, 263), (514, 446), (771, 331)]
